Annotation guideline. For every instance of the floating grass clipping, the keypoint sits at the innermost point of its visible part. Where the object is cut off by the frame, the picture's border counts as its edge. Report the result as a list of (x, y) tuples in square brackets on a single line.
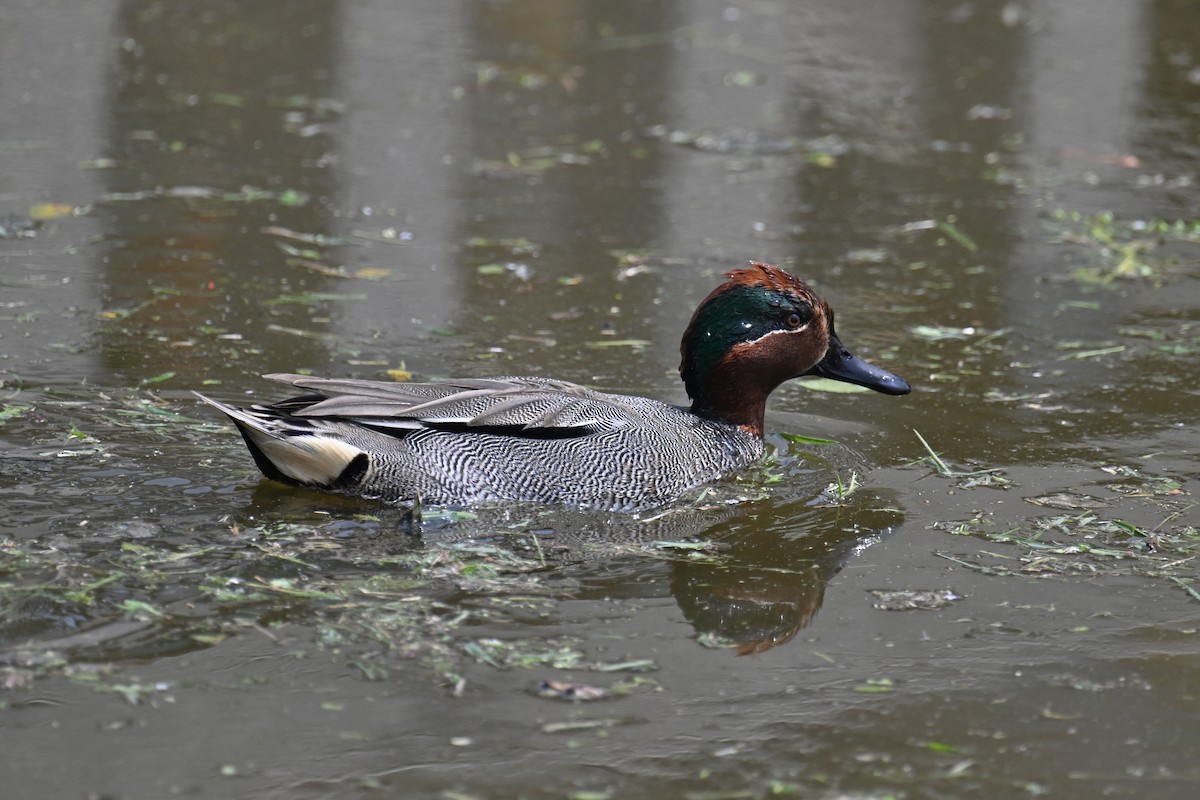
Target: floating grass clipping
[(1186, 585), (841, 491), (938, 464), (979, 477), (796, 438), (1087, 545), (966, 242)]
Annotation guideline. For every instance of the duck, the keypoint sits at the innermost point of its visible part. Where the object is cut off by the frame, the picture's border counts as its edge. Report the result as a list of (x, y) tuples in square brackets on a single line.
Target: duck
[(479, 440)]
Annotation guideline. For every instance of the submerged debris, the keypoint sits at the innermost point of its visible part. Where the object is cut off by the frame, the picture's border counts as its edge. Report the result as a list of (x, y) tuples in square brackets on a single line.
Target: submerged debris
[(14, 226), (911, 599)]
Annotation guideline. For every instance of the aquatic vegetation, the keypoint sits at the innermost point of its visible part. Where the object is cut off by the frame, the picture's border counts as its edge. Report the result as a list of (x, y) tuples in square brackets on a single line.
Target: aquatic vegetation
[(1083, 544), (990, 477), (372, 591), (1118, 249)]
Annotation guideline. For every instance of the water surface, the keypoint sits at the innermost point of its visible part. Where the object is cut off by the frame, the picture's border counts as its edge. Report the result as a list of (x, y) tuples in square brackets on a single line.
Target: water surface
[(999, 200)]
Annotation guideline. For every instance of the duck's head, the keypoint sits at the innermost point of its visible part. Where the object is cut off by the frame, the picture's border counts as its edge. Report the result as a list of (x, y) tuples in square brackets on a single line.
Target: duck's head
[(762, 327)]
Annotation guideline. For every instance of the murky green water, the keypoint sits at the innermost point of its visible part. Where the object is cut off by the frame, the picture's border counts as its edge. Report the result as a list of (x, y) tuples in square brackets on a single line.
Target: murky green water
[(999, 199)]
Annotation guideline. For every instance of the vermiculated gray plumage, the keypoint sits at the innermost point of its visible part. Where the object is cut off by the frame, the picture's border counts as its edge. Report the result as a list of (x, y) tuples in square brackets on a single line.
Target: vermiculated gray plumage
[(542, 440)]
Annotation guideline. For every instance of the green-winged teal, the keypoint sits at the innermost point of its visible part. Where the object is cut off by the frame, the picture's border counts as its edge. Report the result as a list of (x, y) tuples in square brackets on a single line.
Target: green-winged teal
[(464, 441)]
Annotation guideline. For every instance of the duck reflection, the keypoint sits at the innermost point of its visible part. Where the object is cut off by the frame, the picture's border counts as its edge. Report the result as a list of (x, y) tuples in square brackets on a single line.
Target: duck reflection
[(749, 575), (770, 583)]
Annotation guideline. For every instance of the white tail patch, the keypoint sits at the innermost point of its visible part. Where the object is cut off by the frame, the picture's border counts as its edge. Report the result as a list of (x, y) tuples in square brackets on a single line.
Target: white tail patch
[(315, 460)]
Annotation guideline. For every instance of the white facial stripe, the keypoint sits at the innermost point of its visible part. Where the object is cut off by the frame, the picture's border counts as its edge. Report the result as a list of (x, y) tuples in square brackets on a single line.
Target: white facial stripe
[(787, 332)]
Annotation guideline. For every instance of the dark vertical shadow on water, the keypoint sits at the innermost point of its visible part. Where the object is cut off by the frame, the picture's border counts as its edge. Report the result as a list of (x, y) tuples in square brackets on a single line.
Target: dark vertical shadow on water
[(198, 107), (565, 88), (928, 198), (1163, 129), (1091, 77), (972, 77), (600, 86), (1165, 133)]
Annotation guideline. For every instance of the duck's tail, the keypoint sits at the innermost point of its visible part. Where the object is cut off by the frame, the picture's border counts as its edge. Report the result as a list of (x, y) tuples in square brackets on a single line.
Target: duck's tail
[(294, 450)]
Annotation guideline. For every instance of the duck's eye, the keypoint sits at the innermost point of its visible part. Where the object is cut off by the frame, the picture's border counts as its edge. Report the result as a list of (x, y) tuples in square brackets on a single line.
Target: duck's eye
[(793, 320)]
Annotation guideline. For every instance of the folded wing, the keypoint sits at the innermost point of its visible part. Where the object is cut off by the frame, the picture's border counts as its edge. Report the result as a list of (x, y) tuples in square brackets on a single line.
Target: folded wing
[(530, 406)]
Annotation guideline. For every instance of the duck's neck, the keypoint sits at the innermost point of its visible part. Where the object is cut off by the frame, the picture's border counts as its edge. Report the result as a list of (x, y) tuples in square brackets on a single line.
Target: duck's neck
[(728, 394)]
